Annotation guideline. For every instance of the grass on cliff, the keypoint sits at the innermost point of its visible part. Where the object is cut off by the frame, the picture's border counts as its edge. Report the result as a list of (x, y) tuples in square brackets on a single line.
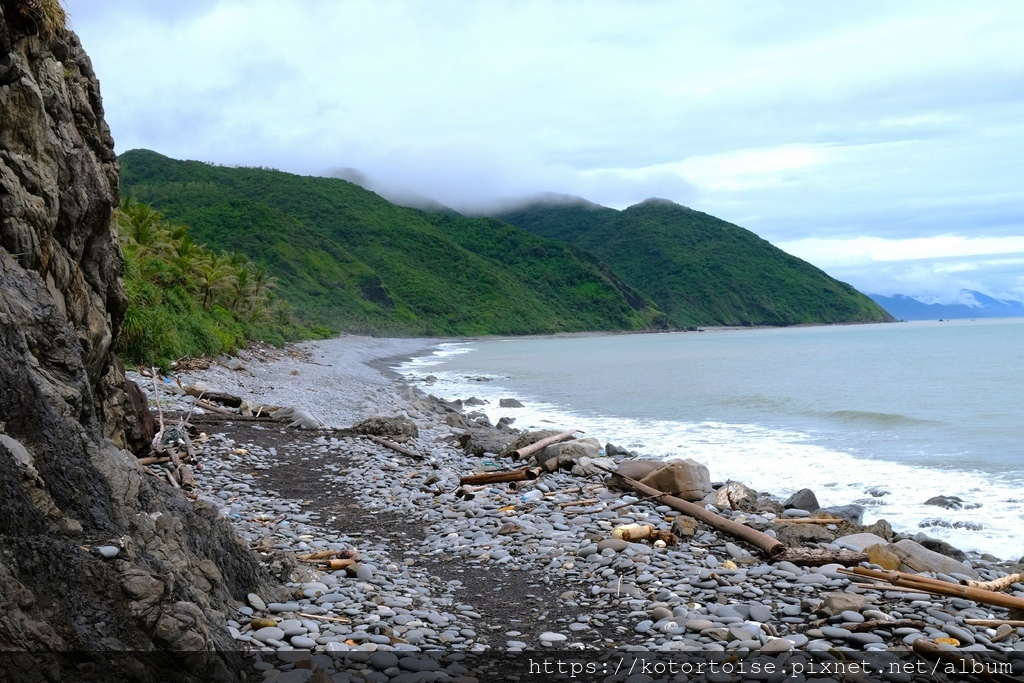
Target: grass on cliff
[(187, 301)]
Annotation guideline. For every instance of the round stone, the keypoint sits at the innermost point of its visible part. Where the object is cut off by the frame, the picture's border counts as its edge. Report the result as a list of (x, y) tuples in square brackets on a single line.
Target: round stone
[(268, 633), (551, 637), (108, 551)]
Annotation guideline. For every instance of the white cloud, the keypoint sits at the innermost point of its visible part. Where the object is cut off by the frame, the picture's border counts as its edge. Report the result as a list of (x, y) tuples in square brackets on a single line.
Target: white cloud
[(801, 121)]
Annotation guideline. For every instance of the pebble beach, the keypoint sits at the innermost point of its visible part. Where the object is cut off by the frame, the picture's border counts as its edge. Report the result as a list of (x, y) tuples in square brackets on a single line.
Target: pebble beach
[(510, 583)]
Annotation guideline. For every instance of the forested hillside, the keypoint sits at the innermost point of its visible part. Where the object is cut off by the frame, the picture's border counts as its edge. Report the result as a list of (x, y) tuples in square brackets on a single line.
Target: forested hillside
[(698, 269), (348, 259)]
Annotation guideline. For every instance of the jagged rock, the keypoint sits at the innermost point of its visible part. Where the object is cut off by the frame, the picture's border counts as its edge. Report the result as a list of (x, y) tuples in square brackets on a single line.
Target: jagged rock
[(733, 495), (940, 546), (687, 479), (393, 427), (634, 469), (509, 403), (586, 466), (841, 601), (684, 526), (478, 440), (611, 450), (854, 514), (916, 558), (951, 503), (565, 455), (859, 542), (883, 556), (65, 412), (804, 499)]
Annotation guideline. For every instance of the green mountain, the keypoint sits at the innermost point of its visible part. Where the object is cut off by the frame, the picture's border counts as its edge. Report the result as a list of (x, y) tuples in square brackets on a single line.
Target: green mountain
[(698, 269), (350, 260)]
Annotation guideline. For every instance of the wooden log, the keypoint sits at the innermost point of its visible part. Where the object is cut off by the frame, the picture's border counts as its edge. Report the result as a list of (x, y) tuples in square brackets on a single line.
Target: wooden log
[(394, 446), (338, 564), (633, 532), (995, 584), (154, 460), (772, 547), (525, 474), (188, 481), (525, 451), (816, 557), (171, 478), (216, 396)]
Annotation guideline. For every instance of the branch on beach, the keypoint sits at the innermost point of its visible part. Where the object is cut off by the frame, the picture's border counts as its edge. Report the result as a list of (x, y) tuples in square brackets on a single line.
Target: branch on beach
[(394, 446), (526, 451), (771, 546)]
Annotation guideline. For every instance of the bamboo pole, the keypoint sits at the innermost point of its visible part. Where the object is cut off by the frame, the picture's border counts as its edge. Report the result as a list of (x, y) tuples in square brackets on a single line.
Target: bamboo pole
[(772, 547), (394, 446), (522, 453), (525, 474), (995, 623), (929, 585)]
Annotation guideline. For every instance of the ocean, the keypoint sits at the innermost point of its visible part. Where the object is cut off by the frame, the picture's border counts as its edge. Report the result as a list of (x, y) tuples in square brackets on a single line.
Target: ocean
[(885, 416)]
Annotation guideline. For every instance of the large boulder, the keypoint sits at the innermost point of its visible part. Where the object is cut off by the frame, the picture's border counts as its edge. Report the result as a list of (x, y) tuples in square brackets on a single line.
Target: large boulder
[(687, 479), (916, 558), (397, 428)]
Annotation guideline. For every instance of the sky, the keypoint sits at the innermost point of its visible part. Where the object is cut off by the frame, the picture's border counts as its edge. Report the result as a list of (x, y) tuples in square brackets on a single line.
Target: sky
[(881, 141)]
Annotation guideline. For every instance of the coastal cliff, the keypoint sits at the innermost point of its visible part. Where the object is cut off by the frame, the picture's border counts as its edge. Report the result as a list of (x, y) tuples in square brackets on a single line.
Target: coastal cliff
[(70, 486)]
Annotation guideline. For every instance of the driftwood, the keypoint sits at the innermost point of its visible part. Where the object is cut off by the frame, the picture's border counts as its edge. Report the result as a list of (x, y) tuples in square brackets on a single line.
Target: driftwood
[(394, 446), (995, 584), (188, 481), (525, 451), (206, 405), (927, 584), (215, 396), (525, 474), (321, 617), (772, 547), (815, 557), (154, 460)]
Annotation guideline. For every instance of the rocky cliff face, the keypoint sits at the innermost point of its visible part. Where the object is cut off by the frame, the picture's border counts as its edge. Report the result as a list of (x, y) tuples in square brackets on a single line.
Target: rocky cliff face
[(67, 484)]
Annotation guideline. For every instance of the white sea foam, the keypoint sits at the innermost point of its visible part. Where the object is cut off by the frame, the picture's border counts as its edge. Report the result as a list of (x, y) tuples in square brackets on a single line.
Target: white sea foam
[(775, 460)]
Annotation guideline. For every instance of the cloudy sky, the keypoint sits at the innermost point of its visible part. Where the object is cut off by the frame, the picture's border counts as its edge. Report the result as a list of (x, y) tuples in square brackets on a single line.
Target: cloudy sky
[(882, 141)]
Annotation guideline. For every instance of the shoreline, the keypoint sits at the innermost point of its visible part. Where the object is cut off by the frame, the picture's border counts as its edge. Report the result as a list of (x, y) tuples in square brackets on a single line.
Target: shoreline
[(497, 573)]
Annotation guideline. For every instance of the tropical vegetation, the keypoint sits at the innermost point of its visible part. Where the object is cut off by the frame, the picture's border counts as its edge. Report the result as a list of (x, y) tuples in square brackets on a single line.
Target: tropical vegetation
[(185, 300)]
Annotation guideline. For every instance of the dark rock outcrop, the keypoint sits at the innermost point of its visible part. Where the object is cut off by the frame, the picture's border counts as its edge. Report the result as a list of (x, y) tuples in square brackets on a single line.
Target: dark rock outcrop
[(67, 483)]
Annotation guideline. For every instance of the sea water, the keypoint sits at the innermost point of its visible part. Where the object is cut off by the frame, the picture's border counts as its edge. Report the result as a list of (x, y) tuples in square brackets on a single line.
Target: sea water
[(886, 416)]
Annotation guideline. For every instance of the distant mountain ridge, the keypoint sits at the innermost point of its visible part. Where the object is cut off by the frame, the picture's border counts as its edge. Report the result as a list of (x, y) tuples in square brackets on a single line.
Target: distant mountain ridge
[(350, 260), (904, 307), (698, 269)]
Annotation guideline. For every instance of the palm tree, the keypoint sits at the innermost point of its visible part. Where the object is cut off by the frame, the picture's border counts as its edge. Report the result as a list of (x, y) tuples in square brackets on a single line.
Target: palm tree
[(262, 284), (214, 275), (142, 226)]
